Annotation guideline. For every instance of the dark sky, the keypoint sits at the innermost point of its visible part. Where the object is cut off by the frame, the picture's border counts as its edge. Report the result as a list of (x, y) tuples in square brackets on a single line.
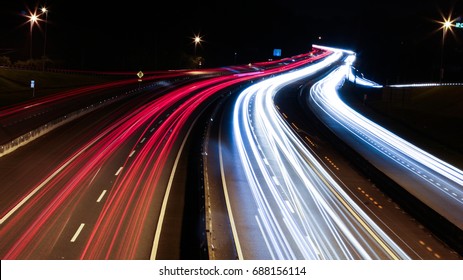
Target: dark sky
[(106, 35)]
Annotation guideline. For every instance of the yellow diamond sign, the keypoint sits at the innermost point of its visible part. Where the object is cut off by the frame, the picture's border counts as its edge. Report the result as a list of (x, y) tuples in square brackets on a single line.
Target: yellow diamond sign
[(140, 74)]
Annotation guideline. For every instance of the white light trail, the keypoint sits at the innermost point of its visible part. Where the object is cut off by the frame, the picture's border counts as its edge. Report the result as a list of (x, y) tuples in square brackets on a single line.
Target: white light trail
[(303, 212), (433, 181)]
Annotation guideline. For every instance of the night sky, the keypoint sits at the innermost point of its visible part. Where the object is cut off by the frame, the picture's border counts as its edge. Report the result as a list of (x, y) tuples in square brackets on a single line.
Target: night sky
[(396, 41)]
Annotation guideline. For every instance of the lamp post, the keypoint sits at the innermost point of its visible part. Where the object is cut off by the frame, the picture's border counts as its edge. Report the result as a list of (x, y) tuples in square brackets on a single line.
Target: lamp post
[(33, 19), (445, 26), (197, 40), (44, 11)]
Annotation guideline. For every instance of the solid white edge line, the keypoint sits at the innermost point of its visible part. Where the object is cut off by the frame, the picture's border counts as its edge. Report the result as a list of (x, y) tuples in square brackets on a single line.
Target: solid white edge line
[(227, 202), (24, 200), (162, 213)]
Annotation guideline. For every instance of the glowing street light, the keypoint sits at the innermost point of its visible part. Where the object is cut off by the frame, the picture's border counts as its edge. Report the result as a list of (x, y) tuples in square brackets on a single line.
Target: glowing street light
[(197, 40), (44, 11), (33, 20), (446, 25)]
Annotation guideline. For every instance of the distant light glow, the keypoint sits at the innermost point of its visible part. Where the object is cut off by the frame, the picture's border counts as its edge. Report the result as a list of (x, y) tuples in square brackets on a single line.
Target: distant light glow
[(333, 49), (197, 39), (355, 78), (447, 24), (350, 59), (33, 19)]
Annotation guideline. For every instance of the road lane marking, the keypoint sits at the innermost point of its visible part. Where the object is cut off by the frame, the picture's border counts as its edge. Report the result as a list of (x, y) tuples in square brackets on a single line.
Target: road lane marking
[(355, 215), (262, 231), (101, 196), (131, 154), (295, 126), (162, 213), (228, 203), (119, 171), (275, 180), (289, 206), (94, 176), (73, 239), (32, 193)]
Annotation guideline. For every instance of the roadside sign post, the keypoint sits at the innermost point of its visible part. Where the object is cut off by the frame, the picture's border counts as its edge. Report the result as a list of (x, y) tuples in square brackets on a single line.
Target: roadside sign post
[(139, 75), (33, 88)]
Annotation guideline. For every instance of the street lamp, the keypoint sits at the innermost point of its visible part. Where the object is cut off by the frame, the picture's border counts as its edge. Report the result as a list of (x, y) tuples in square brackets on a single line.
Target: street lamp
[(447, 24), (44, 11), (197, 40), (33, 20)]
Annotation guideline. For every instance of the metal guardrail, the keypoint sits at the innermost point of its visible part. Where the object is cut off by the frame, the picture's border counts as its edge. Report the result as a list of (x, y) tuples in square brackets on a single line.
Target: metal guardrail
[(30, 136), (44, 129), (425, 85)]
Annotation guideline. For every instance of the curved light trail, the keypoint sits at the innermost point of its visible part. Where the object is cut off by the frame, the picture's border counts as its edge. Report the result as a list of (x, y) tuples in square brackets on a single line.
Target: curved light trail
[(433, 181), (126, 206), (301, 211), (32, 226)]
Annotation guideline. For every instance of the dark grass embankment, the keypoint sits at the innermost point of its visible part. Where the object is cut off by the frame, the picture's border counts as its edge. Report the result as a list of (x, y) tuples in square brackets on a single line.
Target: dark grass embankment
[(15, 84), (429, 117)]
